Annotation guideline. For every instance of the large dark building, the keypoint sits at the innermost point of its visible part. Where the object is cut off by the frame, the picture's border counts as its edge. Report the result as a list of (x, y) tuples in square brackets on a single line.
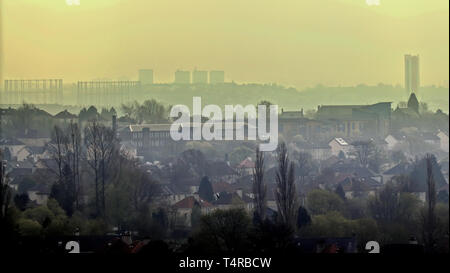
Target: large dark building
[(338, 121)]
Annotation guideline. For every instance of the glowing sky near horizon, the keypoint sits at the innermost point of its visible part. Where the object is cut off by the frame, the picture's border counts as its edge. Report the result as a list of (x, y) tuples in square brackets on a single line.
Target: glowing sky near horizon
[(293, 42)]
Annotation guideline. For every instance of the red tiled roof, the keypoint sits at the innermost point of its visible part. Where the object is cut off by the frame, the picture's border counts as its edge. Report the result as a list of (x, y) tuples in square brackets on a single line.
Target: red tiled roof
[(246, 163), (189, 202)]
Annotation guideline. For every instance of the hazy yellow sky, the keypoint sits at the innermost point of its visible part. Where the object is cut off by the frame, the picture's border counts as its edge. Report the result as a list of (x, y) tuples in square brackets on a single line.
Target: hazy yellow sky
[(294, 42)]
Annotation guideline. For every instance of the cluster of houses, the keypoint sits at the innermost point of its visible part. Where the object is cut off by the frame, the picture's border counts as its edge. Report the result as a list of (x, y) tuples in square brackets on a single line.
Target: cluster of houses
[(328, 137)]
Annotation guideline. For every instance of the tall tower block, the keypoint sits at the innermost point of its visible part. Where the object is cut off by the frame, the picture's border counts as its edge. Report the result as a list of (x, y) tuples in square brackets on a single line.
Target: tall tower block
[(412, 74)]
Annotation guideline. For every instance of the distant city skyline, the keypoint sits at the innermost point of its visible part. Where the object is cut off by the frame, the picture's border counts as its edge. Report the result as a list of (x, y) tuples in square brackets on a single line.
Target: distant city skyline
[(293, 43)]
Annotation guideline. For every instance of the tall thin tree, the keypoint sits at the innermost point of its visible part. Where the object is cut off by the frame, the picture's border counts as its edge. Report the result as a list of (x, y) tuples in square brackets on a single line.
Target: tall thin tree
[(259, 188), (429, 216), (286, 196), (92, 136)]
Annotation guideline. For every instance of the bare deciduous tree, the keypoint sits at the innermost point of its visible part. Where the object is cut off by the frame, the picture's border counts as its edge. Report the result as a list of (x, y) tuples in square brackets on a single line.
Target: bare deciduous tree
[(286, 197), (66, 152), (305, 167), (76, 151), (59, 142), (363, 151), (101, 145)]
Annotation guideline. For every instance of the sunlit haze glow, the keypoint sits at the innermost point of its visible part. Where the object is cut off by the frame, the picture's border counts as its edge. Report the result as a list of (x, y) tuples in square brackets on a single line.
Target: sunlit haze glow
[(296, 43)]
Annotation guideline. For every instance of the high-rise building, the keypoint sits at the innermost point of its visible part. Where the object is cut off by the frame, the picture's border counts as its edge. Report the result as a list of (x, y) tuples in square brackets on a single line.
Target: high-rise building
[(200, 77), (412, 75), (216, 77), (182, 77), (146, 76)]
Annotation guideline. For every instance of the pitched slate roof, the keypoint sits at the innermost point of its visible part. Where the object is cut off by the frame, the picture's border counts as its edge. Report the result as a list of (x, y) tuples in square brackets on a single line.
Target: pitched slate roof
[(341, 167), (401, 168), (225, 198), (363, 184), (36, 149), (10, 142)]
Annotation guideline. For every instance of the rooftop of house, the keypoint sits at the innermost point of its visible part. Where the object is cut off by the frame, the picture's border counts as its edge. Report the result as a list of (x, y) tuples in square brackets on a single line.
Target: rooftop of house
[(35, 141), (374, 140), (362, 184), (226, 198), (222, 187), (189, 202), (340, 141), (400, 168), (352, 168), (20, 164), (41, 188), (151, 127), (10, 142), (49, 163), (246, 163), (36, 149)]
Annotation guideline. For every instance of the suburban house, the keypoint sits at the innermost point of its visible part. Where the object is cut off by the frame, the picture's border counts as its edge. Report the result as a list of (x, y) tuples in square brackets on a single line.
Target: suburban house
[(227, 200), (339, 145), (318, 150), (184, 208), (245, 167), (359, 187), (35, 141), (394, 140), (399, 169), (38, 152), (359, 172), (14, 150), (39, 194)]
